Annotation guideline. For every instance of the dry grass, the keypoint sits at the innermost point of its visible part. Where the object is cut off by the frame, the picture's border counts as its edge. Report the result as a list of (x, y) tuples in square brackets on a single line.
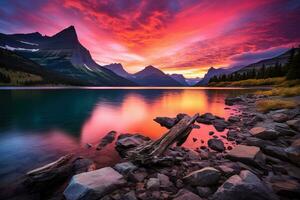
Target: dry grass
[(282, 91), (274, 104), (250, 82)]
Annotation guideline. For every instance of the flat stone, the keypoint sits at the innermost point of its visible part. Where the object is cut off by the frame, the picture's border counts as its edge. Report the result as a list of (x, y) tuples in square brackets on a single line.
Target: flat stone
[(184, 194), (216, 144), (233, 100), (153, 184), (284, 129), (294, 124), (263, 133), (280, 117), (220, 124), (293, 152), (204, 177), (125, 167), (277, 152), (253, 141), (244, 186), (93, 185), (286, 186), (234, 119), (245, 154), (166, 121), (126, 142)]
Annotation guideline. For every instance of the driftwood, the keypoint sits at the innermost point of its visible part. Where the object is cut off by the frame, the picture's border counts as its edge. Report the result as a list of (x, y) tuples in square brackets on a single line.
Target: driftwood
[(151, 150)]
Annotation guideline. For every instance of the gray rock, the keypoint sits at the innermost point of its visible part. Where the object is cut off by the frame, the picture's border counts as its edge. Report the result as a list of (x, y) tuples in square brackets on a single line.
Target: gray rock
[(277, 152), (293, 152), (233, 100), (126, 142), (285, 186), (164, 181), (204, 191), (294, 124), (206, 118), (264, 133), (284, 129), (220, 124), (280, 117), (107, 139), (125, 167), (253, 141), (234, 119), (184, 194), (166, 121), (81, 165), (153, 184), (129, 196), (245, 186), (216, 144), (93, 185), (204, 177), (137, 176)]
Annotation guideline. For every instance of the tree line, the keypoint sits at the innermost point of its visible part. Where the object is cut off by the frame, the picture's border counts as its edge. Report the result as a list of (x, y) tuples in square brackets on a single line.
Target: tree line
[(291, 70)]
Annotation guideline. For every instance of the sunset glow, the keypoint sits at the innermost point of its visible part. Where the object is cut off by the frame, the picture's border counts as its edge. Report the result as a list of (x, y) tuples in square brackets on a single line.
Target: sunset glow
[(176, 36)]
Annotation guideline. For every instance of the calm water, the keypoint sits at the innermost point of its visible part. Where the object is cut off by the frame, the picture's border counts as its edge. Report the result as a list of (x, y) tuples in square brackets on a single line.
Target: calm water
[(40, 125)]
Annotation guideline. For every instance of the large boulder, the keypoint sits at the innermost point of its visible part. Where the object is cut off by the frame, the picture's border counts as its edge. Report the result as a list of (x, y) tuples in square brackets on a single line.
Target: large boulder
[(244, 186), (184, 194), (126, 142), (216, 144), (264, 133), (93, 185), (204, 177), (246, 154)]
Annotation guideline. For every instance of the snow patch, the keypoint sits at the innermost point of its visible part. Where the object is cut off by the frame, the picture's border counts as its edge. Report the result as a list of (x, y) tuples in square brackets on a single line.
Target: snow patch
[(34, 44), (17, 48)]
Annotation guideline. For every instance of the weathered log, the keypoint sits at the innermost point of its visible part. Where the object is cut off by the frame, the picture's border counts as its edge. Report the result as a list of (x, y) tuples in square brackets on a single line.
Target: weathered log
[(153, 149)]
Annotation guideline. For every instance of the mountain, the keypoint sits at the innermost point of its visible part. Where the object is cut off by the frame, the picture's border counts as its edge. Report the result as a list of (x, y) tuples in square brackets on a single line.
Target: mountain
[(63, 55), (179, 78), (151, 76), (118, 69), (192, 81), (216, 72), (281, 59)]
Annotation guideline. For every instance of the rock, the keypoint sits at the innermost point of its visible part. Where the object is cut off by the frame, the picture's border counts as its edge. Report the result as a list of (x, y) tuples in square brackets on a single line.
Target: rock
[(129, 196), (166, 121), (194, 139), (180, 116), (206, 118), (252, 141), (164, 181), (184, 194), (234, 119), (192, 155), (245, 186), (125, 167), (293, 152), (107, 139), (245, 154), (284, 129), (277, 152), (126, 142), (294, 124), (280, 117), (286, 186), (231, 101), (216, 144), (88, 145), (263, 133), (93, 185), (81, 165), (232, 134), (204, 177), (204, 191), (211, 133), (153, 184), (220, 124), (137, 176)]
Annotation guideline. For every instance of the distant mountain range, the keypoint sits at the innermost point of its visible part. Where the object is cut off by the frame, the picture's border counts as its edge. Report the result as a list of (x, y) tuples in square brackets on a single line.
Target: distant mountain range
[(282, 59)]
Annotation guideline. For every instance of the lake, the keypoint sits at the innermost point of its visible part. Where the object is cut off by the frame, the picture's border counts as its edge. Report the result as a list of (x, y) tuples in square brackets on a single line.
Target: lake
[(39, 125)]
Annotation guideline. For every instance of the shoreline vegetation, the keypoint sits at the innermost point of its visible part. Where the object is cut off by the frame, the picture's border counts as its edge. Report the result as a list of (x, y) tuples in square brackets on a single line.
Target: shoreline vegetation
[(261, 162)]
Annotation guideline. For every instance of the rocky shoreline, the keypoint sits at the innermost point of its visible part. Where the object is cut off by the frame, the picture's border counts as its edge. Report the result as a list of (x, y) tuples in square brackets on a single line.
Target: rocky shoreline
[(262, 163)]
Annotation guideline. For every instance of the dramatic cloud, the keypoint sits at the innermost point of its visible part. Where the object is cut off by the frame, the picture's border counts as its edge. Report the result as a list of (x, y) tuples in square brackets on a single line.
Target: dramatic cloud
[(177, 36)]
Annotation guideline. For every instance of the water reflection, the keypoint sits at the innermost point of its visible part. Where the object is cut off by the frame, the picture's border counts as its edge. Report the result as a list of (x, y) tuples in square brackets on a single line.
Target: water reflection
[(38, 126)]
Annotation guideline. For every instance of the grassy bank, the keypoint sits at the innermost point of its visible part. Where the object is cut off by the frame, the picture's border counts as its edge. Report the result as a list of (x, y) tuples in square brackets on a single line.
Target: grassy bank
[(275, 104), (250, 82)]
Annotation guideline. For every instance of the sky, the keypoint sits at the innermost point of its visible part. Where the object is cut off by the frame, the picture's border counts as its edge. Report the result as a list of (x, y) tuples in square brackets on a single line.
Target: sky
[(177, 36)]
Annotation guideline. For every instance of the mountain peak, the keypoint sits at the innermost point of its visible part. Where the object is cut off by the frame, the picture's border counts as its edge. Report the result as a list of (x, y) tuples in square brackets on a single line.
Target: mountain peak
[(67, 33), (150, 67)]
